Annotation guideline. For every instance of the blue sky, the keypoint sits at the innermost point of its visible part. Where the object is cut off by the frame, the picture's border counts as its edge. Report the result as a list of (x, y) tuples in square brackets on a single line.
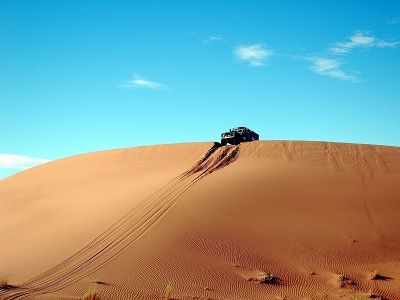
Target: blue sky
[(80, 76)]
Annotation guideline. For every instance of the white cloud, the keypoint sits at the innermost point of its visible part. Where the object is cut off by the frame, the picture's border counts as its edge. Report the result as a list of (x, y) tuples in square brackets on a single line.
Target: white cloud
[(211, 39), (13, 161), (361, 40), (358, 40), (140, 82), (255, 55), (330, 67)]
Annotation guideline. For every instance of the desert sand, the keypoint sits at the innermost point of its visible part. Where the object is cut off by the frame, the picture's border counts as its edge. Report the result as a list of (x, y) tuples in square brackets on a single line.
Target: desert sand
[(204, 222)]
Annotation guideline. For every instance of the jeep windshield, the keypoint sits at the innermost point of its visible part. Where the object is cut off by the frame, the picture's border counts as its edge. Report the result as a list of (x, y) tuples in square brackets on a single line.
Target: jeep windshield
[(228, 134)]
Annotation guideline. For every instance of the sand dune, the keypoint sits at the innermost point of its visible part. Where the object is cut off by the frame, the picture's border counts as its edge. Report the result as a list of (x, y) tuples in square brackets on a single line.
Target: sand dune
[(211, 221)]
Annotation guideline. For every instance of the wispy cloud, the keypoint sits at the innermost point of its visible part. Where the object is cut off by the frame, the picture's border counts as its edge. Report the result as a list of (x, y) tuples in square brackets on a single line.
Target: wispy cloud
[(358, 40), (13, 161), (211, 39), (140, 82), (393, 21), (385, 44), (255, 55), (330, 67), (361, 40)]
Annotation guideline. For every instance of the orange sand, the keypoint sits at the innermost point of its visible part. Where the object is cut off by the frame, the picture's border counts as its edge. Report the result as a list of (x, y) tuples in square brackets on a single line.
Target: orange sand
[(319, 216)]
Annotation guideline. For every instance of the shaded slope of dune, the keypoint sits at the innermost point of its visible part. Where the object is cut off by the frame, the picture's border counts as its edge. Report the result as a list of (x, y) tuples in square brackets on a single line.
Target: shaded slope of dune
[(123, 233), (305, 211), (67, 203)]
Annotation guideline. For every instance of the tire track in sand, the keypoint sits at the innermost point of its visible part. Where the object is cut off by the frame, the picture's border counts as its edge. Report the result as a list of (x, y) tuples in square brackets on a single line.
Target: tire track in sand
[(124, 232)]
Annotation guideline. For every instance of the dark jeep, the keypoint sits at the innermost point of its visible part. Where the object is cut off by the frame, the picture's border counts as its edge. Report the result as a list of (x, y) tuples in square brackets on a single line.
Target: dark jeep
[(237, 135)]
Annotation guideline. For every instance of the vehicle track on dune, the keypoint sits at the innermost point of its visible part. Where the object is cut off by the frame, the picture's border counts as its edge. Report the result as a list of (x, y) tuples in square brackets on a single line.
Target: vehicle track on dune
[(124, 232)]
